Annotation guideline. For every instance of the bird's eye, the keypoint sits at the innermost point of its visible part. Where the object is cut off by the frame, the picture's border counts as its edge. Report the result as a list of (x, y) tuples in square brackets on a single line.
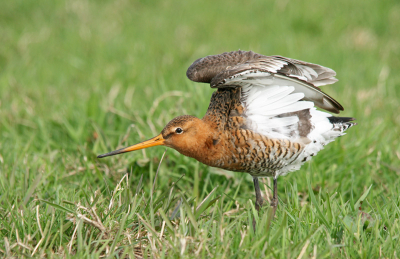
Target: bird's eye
[(179, 130)]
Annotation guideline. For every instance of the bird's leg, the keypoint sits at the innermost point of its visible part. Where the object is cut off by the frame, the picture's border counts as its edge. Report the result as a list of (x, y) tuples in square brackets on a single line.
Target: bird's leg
[(274, 202), (259, 199)]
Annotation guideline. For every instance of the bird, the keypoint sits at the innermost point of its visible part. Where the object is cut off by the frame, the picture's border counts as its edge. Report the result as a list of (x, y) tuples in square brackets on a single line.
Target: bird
[(262, 119)]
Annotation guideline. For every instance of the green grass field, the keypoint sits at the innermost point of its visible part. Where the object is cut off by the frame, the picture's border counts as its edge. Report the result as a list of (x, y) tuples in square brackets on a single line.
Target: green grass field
[(81, 78)]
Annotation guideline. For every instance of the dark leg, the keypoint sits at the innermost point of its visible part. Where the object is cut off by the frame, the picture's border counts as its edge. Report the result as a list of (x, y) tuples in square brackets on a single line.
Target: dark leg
[(259, 199), (274, 202)]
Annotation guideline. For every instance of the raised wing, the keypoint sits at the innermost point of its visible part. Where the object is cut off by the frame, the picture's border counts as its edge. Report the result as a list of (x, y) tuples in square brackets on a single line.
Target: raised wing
[(246, 68), (276, 111)]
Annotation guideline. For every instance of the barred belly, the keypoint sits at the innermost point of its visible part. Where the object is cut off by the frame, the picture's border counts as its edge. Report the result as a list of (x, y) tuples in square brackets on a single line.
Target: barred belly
[(259, 155)]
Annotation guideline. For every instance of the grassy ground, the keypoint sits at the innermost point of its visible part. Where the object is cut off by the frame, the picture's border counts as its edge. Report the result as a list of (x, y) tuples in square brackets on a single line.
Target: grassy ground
[(80, 78)]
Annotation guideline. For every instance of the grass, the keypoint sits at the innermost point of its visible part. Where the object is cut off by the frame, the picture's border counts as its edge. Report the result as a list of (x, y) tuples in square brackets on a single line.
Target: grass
[(80, 78)]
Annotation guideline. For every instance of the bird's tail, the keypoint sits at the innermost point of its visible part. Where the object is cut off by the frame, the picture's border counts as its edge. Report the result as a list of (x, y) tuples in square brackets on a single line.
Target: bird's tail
[(341, 124)]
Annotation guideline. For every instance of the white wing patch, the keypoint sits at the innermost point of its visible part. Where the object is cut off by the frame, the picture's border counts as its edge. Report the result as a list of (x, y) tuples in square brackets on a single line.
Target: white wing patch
[(266, 104), (266, 99)]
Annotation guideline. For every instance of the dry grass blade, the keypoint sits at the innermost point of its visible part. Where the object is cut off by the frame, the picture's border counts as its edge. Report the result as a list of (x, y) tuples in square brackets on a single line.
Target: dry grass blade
[(41, 231), (116, 189), (73, 238), (303, 250), (96, 224), (7, 246)]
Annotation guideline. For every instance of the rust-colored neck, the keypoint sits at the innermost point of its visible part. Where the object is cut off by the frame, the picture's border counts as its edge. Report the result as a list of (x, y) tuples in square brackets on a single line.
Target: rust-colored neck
[(200, 142)]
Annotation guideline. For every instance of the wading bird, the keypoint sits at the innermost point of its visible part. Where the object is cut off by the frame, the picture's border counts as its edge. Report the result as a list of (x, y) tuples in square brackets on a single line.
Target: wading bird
[(262, 119)]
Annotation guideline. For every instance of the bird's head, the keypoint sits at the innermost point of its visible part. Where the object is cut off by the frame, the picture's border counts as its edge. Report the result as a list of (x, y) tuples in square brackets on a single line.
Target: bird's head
[(183, 133)]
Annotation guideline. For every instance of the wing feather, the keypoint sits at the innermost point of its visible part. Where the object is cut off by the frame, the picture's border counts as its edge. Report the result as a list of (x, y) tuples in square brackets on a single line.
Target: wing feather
[(239, 68), (269, 109)]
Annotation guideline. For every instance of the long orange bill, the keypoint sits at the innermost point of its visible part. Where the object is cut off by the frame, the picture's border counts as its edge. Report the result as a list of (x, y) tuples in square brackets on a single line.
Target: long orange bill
[(156, 141)]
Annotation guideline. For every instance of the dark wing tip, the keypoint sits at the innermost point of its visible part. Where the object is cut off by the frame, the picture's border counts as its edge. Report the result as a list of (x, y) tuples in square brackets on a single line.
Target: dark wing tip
[(335, 106), (334, 119), (327, 103)]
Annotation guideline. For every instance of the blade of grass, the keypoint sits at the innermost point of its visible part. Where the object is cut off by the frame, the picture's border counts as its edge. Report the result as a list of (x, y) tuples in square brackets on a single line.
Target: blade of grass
[(315, 203)]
